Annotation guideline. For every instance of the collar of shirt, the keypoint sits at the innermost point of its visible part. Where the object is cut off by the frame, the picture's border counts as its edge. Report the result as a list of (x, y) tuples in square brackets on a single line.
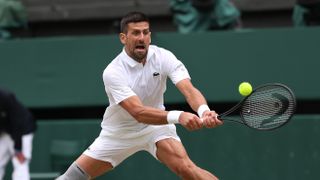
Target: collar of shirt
[(133, 62)]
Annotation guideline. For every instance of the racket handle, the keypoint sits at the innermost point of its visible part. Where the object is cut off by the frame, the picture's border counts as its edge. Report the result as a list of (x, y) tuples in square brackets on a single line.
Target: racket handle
[(219, 117)]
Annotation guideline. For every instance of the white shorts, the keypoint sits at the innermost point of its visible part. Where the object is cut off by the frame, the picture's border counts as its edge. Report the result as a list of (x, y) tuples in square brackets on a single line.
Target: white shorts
[(115, 150)]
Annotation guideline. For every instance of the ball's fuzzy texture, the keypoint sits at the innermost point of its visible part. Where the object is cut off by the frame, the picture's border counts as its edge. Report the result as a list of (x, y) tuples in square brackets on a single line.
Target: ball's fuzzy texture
[(245, 88)]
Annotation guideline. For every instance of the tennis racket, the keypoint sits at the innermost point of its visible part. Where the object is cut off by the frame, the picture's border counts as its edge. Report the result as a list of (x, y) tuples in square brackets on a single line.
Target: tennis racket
[(268, 107)]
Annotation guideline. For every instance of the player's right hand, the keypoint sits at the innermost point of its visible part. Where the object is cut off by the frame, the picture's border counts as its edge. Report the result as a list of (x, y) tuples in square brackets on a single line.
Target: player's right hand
[(210, 119), (190, 121)]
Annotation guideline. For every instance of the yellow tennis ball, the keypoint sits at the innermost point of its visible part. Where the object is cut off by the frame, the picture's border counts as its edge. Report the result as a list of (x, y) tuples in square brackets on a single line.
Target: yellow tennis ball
[(245, 88)]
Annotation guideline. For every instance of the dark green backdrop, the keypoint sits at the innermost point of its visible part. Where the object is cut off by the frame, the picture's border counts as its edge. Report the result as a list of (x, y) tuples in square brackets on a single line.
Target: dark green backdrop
[(66, 72), (231, 151), (55, 72)]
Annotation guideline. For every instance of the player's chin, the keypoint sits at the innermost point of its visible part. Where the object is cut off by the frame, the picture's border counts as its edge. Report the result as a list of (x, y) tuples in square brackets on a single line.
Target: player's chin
[(140, 54)]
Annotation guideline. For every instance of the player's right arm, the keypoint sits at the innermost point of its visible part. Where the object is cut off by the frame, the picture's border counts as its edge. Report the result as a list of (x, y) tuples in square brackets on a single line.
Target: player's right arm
[(119, 92), (150, 115)]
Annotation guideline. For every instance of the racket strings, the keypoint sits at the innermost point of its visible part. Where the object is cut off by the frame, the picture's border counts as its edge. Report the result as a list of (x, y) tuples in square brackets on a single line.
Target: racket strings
[(268, 107)]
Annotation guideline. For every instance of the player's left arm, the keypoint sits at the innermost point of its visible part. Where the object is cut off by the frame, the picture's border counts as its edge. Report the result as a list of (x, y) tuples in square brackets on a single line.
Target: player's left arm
[(197, 102), (150, 115)]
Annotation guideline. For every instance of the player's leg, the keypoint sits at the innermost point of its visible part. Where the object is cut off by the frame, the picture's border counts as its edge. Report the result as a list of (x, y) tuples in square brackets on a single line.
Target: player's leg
[(92, 166), (103, 155), (85, 168), (172, 153)]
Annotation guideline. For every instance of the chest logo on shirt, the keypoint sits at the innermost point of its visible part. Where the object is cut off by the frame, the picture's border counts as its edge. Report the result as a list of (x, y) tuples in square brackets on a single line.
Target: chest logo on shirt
[(156, 74)]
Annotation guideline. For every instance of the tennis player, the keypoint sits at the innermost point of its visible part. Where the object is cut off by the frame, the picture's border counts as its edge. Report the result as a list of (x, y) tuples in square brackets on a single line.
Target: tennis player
[(136, 119)]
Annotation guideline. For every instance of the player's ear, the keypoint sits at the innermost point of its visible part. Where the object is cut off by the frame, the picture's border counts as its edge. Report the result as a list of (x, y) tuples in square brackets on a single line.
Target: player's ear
[(150, 38), (122, 38)]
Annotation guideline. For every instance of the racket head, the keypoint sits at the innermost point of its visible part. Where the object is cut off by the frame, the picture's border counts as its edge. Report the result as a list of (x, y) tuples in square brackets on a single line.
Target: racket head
[(268, 107)]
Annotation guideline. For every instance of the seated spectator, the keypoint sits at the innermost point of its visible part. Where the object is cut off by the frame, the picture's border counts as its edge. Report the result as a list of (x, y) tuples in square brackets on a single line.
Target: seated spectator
[(12, 15), (203, 15), (306, 13)]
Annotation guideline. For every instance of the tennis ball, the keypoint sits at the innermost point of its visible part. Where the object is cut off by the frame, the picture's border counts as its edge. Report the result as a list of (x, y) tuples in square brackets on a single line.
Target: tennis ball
[(245, 88)]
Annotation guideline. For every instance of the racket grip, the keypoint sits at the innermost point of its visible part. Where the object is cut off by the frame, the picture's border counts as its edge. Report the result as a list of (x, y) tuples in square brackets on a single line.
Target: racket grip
[(219, 117)]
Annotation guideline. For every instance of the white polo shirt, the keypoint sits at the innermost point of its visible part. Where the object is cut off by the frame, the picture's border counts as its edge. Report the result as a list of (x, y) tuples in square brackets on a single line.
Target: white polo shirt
[(125, 77)]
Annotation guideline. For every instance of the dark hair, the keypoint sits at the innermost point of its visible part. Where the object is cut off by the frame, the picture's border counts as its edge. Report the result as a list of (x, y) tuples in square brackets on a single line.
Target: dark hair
[(132, 17)]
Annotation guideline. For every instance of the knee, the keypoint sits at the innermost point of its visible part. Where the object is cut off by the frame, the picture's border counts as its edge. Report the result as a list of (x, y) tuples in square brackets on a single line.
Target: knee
[(74, 172)]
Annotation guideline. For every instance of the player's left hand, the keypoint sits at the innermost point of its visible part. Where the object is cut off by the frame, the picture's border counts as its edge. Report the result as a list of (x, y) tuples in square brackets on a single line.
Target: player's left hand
[(210, 119)]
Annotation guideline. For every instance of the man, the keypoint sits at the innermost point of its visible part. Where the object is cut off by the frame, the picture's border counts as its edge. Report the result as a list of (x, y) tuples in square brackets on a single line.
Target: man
[(17, 126), (135, 119)]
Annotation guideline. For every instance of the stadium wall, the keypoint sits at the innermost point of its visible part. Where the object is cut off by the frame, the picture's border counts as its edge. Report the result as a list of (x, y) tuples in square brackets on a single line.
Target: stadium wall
[(59, 72)]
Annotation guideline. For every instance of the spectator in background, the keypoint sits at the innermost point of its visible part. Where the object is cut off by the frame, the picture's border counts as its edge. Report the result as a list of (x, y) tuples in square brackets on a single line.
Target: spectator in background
[(17, 126), (12, 15), (203, 15), (306, 13)]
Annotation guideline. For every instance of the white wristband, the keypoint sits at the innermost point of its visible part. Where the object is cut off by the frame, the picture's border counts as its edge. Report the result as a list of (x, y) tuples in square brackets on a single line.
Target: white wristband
[(173, 117), (202, 109)]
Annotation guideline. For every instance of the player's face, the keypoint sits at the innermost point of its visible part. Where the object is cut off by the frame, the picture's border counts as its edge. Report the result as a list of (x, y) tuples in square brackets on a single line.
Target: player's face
[(137, 40)]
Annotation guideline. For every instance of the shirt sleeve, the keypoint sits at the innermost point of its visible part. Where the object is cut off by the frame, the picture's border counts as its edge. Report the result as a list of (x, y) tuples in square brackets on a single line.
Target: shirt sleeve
[(175, 68), (116, 87)]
